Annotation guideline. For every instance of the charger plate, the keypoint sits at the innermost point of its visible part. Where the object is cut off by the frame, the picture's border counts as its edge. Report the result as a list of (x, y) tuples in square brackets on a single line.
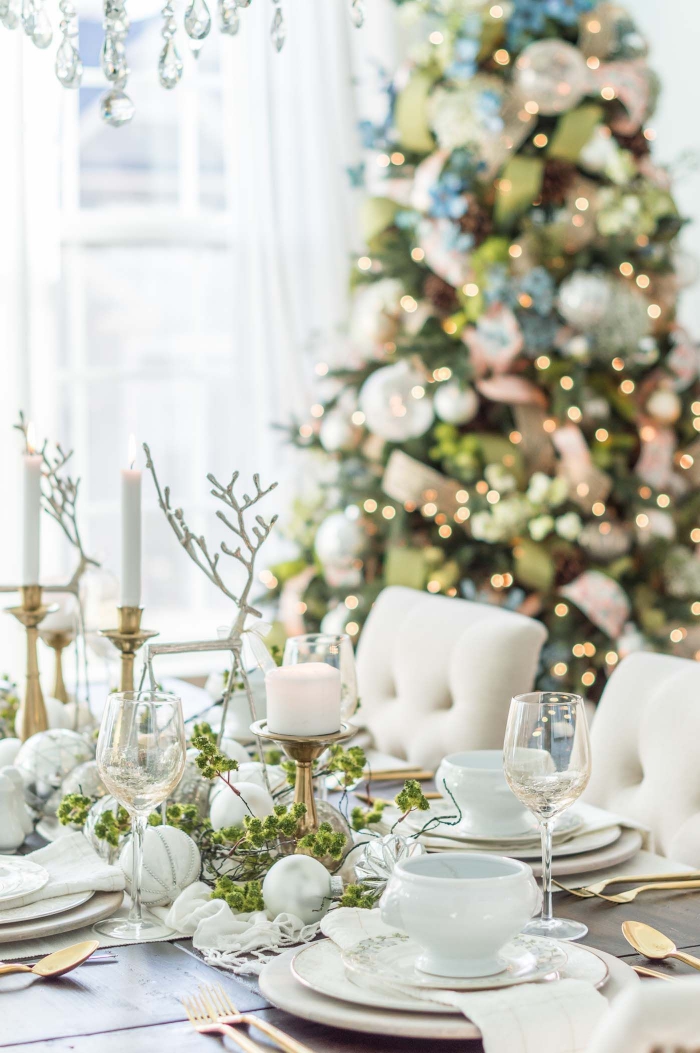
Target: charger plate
[(394, 958), (100, 906), (586, 842), (19, 877), (320, 967), (280, 986), (44, 908)]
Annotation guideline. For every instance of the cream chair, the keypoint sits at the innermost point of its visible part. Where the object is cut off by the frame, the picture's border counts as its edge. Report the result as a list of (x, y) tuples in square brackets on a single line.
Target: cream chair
[(653, 1017), (644, 744), (437, 675)]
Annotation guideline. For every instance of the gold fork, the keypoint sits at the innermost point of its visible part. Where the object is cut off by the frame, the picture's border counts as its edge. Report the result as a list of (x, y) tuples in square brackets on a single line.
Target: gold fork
[(205, 1020), (631, 894), (226, 1013), (585, 891)]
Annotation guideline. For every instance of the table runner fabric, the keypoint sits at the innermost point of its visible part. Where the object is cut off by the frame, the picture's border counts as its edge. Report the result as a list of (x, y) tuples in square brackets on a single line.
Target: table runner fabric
[(556, 1017)]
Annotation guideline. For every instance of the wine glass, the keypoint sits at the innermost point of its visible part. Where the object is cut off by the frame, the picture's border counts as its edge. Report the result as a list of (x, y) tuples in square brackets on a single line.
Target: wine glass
[(141, 758), (547, 763), (333, 649)]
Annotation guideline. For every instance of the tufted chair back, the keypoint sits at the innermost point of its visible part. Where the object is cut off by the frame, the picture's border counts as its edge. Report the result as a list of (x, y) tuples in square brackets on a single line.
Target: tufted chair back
[(644, 744), (436, 675)]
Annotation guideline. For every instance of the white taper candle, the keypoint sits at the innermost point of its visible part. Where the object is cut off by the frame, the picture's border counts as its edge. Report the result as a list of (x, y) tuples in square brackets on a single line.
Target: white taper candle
[(31, 532), (131, 532)]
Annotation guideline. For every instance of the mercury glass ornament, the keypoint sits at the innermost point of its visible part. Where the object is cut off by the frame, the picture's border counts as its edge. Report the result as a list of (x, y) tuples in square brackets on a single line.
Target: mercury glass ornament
[(192, 788), (605, 541), (103, 849), (552, 74), (394, 403), (339, 539), (381, 854), (47, 758), (116, 109), (583, 299), (456, 404)]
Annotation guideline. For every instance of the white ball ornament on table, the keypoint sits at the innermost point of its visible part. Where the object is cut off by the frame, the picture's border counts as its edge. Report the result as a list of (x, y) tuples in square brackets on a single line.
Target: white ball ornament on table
[(9, 748), (230, 808), (171, 862), (12, 832), (299, 885), (391, 404), (456, 404), (47, 758)]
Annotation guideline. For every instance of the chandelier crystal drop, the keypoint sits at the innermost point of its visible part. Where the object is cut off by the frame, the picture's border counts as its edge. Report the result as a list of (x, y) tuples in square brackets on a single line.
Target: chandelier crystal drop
[(116, 107)]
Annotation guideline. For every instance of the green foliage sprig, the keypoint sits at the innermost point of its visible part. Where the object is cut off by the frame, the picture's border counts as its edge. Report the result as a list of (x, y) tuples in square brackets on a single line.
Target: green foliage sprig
[(73, 809), (359, 896), (361, 818), (210, 760), (410, 798), (111, 828), (247, 897)]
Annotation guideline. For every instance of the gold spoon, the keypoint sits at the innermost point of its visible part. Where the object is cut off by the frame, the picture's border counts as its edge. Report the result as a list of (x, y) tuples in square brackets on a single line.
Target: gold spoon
[(58, 963), (653, 944)]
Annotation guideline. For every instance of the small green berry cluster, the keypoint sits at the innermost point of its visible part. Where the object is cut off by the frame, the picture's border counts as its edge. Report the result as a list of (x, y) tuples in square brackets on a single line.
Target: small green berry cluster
[(325, 842), (361, 818), (111, 828), (411, 797), (359, 896), (210, 760), (240, 898), (73, 809), (183, 816)]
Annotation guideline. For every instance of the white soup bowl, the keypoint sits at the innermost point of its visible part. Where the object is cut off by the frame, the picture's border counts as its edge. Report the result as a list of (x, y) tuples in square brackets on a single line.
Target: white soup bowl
[(478, 784)]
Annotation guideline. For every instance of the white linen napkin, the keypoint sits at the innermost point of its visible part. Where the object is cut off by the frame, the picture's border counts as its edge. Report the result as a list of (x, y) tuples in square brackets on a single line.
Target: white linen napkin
[(73, 866), (244, 942), (554, 1017)]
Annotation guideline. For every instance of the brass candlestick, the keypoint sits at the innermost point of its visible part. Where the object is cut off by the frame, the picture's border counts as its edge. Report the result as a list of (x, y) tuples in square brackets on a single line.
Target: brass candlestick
[(304, 750), (32, 711), (58, 641), (128, 638)]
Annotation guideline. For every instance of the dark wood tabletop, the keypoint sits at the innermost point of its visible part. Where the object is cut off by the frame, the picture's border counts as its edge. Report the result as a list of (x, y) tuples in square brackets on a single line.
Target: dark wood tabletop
[(133, 1005)]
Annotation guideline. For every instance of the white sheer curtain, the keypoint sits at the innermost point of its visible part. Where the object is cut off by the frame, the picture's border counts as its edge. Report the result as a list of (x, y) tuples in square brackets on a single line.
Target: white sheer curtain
[(131, 301)]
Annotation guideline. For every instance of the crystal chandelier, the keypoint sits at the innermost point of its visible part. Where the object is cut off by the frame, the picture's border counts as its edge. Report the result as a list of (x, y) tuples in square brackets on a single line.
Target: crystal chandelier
[(116, 107)]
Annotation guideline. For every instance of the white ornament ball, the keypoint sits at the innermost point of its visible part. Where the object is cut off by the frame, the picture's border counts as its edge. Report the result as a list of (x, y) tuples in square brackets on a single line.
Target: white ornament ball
[(234, 750), (84, 779), (391, 404), (298, 885), (337, 432), (553, 74), (664, 405), (9, 748), (455, 404), (339, 539), (229, 809), (171, 862), (583, 299)]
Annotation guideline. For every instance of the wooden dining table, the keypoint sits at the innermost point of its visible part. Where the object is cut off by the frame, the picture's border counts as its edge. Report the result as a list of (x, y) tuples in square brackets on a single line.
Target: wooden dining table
[(133, 1005)]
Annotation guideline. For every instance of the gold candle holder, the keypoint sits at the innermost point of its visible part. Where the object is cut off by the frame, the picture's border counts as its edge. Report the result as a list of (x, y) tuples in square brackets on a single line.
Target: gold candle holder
[(128, 638), (58, 641), (304, 750), (31, 717)]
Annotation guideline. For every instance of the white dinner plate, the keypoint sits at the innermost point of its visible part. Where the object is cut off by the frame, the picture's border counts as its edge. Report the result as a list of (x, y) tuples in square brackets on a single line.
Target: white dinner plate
[(19, 877), (586, 842), (319, 966), (45, 908), (99, 906), (280, 986), (393, 959)]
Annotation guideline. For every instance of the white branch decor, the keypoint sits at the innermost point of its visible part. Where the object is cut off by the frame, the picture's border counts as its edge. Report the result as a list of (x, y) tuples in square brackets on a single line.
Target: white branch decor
[(249, 540)]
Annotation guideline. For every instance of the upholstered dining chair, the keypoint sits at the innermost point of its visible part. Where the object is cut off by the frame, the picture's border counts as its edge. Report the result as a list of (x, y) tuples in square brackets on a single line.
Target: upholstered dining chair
[(436, 675), (652, 1017), (644, 745)]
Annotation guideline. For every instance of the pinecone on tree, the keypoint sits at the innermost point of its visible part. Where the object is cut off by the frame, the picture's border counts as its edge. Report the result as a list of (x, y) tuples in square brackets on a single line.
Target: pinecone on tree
[(636, 144), (476, 221), (569, 562), (441, 294), (556, 180)]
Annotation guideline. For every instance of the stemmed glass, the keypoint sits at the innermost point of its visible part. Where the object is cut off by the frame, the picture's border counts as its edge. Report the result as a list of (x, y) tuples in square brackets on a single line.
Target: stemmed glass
[(547, 763), (141, 758), (333, 649)]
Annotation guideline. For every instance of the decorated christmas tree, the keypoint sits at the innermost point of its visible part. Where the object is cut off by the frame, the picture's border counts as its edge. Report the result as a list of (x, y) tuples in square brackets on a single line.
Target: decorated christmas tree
[(516, 417)]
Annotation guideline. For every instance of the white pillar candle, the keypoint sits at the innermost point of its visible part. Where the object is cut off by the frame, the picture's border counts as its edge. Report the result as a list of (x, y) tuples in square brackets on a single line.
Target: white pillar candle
[(131, 532), (31, 532), (303, 699)]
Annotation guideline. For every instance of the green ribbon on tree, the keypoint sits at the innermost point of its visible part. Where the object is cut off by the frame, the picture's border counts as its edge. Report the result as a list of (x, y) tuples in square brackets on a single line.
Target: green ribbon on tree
[(376, 214), (533, 565), (574, 129), (519, 184), (411, 114), (405, 566)]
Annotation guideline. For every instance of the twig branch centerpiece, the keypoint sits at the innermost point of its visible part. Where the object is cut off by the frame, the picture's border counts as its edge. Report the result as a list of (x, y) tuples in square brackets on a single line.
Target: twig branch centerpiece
[(249, 541)]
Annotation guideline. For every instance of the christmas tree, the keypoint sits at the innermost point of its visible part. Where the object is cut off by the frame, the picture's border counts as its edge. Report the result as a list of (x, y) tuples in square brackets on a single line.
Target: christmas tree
[(516, 418)]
